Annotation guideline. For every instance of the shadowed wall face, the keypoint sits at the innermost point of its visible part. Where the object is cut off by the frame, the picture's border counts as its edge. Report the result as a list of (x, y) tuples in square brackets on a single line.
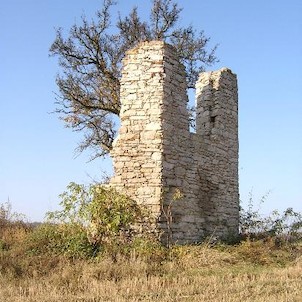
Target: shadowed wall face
[(158, 162)]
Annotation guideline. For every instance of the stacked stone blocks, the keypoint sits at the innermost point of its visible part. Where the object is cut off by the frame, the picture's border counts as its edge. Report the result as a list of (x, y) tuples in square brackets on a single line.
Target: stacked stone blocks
[(155, 155)]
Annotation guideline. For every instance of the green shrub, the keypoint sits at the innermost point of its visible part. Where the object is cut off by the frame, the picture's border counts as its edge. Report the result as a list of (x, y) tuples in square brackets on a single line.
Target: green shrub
[(95, 218), (287, 226), (65, 239), (8, 217)]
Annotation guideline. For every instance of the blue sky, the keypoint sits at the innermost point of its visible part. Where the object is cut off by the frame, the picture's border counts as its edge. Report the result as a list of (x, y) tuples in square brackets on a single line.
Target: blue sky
[(259, 40)]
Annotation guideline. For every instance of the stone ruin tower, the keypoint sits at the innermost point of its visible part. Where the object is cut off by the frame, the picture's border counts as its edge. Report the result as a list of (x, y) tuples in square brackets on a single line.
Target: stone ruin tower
[(192, 177)]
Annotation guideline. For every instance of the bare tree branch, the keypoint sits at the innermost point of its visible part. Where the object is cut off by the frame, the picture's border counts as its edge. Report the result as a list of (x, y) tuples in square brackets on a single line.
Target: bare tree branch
[(90, 60)]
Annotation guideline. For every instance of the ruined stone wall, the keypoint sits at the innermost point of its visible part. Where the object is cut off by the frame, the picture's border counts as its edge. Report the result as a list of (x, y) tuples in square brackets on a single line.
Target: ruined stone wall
[(138, 150), (217, 132), (159, 163)]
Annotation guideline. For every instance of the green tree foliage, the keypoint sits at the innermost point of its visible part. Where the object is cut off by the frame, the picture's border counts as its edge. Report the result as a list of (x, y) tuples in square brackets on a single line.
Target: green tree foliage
[(90, 59)]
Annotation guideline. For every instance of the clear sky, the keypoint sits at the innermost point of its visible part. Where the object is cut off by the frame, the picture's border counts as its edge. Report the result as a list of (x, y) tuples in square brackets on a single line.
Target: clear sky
[(261, 41)]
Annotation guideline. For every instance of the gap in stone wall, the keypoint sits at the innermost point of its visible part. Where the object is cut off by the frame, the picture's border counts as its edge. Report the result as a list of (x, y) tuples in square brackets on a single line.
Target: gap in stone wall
[(192, 104)]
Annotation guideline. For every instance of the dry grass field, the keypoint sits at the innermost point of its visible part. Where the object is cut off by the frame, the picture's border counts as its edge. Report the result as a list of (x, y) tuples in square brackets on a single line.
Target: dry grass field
[(251, 271), (56, 263)]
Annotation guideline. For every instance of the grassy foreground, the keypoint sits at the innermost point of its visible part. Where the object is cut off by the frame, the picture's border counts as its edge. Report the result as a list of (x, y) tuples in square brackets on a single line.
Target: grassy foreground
[(63, 262), (250, 271)]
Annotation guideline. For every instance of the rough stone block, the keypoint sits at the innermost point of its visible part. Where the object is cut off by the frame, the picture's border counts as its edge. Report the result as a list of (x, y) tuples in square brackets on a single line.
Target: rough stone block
[(157, 161)]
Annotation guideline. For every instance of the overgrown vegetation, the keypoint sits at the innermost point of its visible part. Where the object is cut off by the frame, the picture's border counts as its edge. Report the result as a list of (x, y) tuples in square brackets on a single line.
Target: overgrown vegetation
[(101, 214), (93, 220), (281, 226), (69, 258)]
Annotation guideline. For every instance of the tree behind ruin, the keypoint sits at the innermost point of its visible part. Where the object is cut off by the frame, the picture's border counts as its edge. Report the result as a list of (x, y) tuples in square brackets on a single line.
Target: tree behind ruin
[(91, 58)]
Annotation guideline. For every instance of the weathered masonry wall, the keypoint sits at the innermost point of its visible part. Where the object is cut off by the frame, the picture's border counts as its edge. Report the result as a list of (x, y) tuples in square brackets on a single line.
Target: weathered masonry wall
[(158, 162)]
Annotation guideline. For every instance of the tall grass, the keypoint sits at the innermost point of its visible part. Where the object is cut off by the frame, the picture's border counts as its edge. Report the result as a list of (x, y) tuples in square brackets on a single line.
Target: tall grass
[(200, 274), (58, 262)]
